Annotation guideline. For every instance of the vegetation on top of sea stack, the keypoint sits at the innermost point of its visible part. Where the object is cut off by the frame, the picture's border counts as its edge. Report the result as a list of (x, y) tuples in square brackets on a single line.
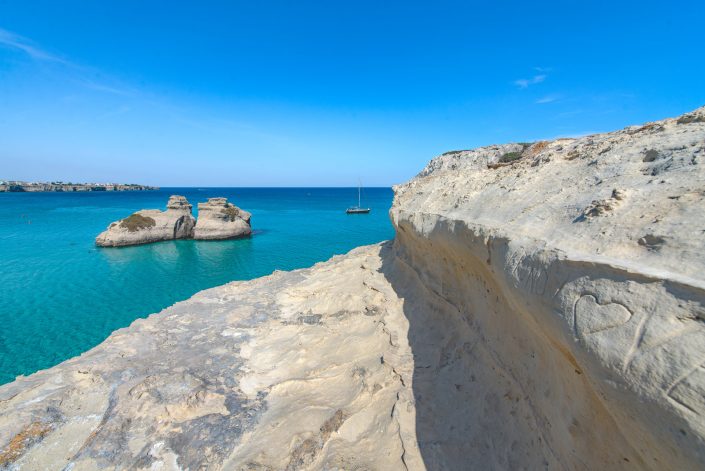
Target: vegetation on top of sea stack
[(231, 211), (136, 221)]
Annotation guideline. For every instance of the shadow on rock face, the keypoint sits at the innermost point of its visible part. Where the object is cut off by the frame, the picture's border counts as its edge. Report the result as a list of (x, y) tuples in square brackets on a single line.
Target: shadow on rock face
[(470, 412), (493, 389)]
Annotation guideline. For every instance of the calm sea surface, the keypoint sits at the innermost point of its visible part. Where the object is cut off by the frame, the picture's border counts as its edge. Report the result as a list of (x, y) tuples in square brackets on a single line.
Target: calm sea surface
[(60, 295)]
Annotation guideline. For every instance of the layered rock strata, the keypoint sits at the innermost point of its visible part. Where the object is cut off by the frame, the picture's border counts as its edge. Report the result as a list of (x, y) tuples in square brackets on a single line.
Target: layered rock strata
[(151, 225), (541, 307), (568, 287), (218, 219)]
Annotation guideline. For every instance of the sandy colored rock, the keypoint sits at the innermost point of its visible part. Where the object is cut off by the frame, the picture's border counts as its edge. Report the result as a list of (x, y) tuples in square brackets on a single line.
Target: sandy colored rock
[(570, 287), (151, 225), (218, 219), (292, 371), (537, 310)]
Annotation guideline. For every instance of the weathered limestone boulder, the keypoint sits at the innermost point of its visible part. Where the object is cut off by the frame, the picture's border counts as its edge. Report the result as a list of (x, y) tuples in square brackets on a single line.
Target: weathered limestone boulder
[(541, 307), (218, 219), (151, 225)]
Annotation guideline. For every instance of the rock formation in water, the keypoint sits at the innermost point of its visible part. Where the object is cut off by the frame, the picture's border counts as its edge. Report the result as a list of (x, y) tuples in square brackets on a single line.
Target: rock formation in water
[(541, 307), (218, 219), (151, 225)]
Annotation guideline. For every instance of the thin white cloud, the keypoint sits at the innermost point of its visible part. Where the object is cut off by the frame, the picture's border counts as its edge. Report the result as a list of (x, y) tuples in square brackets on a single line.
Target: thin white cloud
[(94, 79), (547, 99), (79, 74), (101, 87), (525, 83), (15, 41)]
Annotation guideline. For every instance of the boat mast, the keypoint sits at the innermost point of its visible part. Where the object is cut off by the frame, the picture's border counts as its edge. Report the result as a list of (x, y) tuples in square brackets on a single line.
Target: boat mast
[(358, 194)]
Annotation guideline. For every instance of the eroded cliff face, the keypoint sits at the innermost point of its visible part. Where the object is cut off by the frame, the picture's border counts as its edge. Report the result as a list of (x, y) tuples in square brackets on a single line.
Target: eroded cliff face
[(541, 307), (568, 286)]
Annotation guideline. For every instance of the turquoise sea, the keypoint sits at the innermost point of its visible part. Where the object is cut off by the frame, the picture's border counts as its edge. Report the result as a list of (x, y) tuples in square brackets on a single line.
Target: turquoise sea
[(60, 295)]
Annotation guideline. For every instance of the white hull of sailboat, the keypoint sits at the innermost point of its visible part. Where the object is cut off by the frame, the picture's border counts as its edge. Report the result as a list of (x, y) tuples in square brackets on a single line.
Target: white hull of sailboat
[(357, 210)]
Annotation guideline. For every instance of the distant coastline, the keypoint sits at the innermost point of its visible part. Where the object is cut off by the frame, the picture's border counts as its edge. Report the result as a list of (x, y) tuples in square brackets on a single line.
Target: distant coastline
[(33, 187)]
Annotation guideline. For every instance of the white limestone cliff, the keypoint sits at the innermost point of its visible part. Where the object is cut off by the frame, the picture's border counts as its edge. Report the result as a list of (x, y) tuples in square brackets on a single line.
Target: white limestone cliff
[(541, 307), (573, 278)]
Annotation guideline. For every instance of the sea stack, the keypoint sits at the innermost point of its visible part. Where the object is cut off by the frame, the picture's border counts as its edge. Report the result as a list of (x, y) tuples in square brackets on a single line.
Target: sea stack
[(218, 219), (151, 225)]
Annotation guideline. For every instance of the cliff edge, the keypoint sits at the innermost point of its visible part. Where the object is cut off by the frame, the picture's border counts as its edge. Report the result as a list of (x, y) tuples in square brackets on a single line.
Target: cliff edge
[(541, 307), (572, 271)]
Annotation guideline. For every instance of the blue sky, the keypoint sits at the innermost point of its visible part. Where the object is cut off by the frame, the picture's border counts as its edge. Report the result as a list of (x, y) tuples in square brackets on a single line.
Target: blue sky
[(304, 93)]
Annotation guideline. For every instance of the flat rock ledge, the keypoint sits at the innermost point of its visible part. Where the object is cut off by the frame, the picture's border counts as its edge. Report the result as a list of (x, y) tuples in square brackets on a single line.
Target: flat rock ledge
[(218, 219), (290, 371), (541, 307)]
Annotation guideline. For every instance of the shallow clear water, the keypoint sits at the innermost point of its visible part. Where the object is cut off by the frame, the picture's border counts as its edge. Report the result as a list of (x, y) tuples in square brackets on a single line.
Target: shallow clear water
[(60, 295)]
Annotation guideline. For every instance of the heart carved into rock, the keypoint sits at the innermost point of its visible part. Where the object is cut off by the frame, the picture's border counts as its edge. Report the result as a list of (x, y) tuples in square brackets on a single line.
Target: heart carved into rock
[(592, 317)]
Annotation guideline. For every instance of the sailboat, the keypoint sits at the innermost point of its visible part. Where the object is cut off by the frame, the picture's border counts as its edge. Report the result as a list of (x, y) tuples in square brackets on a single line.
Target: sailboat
[(357, 209)]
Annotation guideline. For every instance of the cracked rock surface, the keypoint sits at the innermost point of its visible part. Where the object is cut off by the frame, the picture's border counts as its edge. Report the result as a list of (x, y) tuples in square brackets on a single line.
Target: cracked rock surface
[(296, 370)]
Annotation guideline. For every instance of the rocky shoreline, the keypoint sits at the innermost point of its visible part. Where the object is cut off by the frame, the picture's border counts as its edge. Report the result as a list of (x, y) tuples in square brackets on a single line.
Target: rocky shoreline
[(217, 220), (541, 307), (35, 187)]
